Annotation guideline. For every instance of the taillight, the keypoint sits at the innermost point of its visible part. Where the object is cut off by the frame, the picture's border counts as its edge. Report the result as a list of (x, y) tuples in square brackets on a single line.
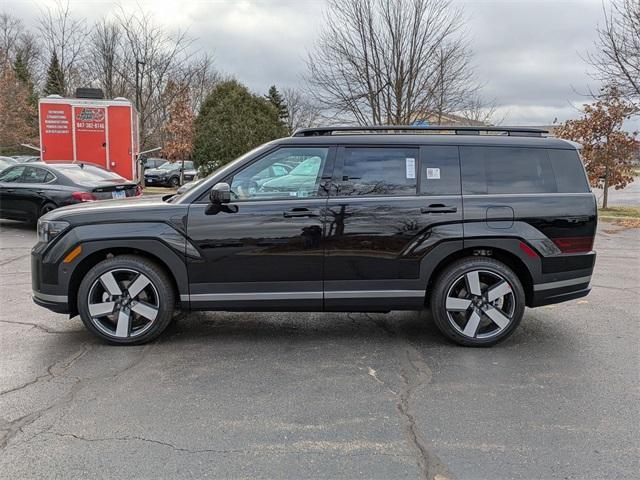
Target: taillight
[(83, 196), (574, 244), (138, 190)]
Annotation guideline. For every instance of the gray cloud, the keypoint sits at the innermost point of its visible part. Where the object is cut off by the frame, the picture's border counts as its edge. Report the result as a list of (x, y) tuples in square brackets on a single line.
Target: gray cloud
[(528, 53)]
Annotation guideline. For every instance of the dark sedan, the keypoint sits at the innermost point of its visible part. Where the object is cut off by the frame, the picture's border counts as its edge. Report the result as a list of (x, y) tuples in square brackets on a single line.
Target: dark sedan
[(28, 191)]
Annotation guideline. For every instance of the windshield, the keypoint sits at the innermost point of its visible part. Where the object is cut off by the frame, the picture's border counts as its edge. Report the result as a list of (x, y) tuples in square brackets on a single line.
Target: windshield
[(169, 166), (103, 173), (87, 173), (307, 168)]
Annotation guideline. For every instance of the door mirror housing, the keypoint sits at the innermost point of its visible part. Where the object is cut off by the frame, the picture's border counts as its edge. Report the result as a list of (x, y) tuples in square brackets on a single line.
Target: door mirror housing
[(220, 193)]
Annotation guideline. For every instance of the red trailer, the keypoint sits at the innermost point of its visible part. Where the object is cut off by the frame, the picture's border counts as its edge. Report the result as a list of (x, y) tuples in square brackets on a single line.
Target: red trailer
[(93, 131)]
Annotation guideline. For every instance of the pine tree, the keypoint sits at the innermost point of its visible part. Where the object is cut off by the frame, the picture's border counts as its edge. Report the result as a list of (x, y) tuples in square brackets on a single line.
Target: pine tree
[(278, 102), (21, 69), (55, 78)]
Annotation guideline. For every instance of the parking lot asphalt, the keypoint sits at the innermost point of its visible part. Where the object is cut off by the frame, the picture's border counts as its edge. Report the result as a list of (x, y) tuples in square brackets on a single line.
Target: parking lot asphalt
[(235, 395)]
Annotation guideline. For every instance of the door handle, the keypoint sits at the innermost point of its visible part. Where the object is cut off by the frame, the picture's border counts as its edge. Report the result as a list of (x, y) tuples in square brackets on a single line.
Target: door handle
[(300, 212), (439, 208), (11, 190)]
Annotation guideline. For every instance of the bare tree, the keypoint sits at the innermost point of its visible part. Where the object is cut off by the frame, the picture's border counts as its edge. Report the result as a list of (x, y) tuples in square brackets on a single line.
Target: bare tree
[(104, 58), (16, 40), (65, 35), (478, 111), (617, 61), (11, 28), (162, 57), (302, 111), (390, 62)]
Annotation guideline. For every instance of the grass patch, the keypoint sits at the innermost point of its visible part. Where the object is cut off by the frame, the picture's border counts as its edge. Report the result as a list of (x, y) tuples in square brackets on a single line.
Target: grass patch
[(624, 217), (619, 212)]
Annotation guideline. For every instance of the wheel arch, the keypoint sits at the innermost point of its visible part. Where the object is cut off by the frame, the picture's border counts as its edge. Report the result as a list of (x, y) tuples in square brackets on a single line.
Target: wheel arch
[(96, 256), (505, 256)]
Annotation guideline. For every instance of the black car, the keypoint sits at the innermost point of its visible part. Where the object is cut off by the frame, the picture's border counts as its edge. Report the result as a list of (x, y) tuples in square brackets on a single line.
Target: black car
[(168, 174), (28, 191), (473, 224)]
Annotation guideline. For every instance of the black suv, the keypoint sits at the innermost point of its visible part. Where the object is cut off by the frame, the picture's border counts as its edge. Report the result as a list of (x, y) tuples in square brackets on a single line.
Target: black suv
[(473, 224)]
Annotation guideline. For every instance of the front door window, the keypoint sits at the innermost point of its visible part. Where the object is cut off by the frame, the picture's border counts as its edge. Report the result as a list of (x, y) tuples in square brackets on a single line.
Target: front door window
[(287, 173)]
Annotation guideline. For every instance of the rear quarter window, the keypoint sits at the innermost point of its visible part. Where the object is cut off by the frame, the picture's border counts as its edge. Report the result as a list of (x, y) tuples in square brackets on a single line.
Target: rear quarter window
[(569, 172), (496, 170)]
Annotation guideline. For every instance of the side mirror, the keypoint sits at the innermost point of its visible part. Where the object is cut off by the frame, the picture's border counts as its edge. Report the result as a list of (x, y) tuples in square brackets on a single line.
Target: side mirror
[(220, 193)]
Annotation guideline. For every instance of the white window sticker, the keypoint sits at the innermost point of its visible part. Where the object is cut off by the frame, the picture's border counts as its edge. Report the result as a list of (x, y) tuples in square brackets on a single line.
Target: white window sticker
[(411, 168), (433, 174)]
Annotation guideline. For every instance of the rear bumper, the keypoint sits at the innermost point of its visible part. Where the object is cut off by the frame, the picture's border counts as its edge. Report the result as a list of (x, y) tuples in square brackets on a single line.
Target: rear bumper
[(540, 299), (561, 287)]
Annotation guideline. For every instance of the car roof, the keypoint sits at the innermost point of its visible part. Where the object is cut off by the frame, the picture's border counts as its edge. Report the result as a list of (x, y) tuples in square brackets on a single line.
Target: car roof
[(428, 139)]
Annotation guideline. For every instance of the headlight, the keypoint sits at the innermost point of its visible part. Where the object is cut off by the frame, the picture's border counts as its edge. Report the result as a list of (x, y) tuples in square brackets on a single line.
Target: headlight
[(49, 229)]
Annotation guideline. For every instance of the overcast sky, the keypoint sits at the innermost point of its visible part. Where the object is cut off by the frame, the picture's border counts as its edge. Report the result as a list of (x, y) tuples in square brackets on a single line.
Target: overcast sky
[(529, 54)]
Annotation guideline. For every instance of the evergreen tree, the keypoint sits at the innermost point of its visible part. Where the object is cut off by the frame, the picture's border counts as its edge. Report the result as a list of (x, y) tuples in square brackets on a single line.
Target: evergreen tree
[(274, 97), (55, 78), (231, 122), (21, 70)]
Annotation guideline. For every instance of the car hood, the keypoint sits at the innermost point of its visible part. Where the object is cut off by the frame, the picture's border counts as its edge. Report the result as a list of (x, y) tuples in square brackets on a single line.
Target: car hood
[(148, 208), (156, 171)]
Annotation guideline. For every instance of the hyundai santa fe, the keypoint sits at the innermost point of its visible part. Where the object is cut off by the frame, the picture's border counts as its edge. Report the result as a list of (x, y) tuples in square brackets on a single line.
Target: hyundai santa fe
[(473, 224)]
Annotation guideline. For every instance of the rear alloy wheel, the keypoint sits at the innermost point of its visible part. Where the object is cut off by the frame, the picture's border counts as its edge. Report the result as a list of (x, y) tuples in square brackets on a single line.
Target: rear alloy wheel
[(478, 302), (126, 300), (175, 182)]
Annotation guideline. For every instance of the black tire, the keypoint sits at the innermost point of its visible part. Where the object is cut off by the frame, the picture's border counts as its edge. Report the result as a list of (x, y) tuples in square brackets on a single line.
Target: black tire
[(473, 327), (174, 182), (46, 208), (158, 294)]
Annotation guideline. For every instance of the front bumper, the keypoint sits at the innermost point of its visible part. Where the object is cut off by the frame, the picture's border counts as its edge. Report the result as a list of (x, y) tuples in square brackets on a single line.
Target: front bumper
[(155, 181), (45, 283)]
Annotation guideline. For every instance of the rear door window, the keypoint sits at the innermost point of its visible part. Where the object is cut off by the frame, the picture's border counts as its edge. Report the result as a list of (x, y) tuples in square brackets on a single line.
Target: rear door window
[(34, 175), (496, 170), (377, 171), (439, 170)]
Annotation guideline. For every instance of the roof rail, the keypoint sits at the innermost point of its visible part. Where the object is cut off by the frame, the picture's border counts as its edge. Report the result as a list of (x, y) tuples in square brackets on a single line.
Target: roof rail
[(418, 129)]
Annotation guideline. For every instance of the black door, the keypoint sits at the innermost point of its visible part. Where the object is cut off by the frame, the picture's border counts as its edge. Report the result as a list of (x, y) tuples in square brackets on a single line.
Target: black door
[(10, 204), (264, 250), (35, 189), (390, 207)]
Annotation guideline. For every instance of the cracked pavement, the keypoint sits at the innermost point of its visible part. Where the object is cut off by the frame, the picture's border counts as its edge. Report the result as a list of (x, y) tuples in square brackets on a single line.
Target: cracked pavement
[(293, 395)]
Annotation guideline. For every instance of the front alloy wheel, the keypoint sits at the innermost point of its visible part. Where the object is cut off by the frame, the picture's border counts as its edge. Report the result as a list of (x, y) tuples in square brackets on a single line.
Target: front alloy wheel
[(123, 303), (126, 300)]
